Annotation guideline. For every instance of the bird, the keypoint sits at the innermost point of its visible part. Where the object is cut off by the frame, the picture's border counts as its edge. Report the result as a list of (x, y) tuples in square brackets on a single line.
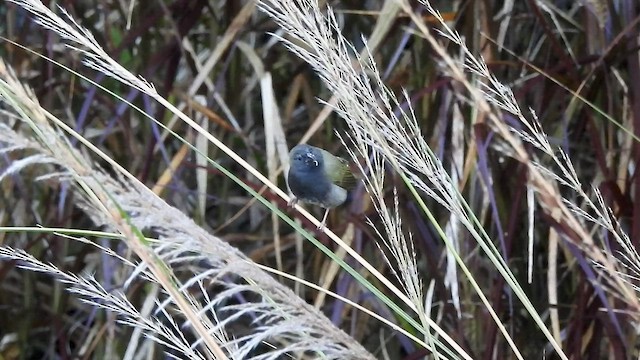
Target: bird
[(318, 177)]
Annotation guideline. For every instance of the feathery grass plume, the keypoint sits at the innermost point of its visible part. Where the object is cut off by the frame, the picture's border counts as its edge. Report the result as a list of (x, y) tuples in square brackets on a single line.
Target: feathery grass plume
[(368, 108), (91, 292), (99, 60), (99, 198), (489, 185), (236, 292), (490, 91), (371, 113), (403, 266), (571, 217)]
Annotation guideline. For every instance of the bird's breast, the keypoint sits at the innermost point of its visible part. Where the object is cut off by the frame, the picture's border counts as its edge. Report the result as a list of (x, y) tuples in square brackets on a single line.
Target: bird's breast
[(314, 188)]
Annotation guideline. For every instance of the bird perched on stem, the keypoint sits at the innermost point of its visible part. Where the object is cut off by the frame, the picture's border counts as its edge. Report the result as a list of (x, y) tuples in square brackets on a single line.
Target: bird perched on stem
[(318, 177)]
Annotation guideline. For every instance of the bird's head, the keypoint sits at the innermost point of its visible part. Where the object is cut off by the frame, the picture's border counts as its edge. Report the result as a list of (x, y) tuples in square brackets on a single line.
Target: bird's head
[(306, 158)]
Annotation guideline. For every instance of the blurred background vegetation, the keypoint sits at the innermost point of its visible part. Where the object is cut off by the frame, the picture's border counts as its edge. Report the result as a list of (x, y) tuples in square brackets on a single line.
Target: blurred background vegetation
[(570, 62)]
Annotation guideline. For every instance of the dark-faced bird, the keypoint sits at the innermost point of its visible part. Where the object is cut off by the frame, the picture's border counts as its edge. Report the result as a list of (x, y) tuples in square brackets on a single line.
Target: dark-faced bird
[(318, 177)]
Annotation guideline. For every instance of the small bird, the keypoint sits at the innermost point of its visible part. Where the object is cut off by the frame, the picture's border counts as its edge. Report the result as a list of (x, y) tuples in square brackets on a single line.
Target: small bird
[(318, 177)]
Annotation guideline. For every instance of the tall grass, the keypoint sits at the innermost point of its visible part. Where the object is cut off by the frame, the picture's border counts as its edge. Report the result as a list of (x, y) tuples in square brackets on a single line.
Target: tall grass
[(481, 206)]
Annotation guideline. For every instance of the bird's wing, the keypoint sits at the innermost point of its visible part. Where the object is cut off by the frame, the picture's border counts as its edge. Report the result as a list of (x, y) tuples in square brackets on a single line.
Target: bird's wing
[(338, 171)]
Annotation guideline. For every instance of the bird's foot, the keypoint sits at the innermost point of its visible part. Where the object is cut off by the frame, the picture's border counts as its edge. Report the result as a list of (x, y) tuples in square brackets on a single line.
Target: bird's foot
[(293, 200), (324, 221)]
